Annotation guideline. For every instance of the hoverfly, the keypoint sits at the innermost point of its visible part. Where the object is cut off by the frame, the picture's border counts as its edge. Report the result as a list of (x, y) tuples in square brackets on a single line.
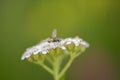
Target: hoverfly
[(54, 37)]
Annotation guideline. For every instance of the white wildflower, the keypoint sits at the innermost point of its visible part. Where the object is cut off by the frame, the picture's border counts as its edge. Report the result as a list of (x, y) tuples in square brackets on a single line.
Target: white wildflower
[(52, 43)]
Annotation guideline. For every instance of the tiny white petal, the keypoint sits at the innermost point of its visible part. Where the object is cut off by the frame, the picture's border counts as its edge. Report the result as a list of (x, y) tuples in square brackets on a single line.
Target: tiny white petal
[(68, 42), (62, 47), (85, 44), (44, 52), (53, 45), (62, 42), (28, 56), (35, 53), (38, 51), (23, 57), (76, 43)]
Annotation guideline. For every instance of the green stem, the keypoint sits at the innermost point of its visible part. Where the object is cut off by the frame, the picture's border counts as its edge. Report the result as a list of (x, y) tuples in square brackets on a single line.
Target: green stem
[(66, 67), (56, 67), (63, 77), (46, 67), (76, 55)]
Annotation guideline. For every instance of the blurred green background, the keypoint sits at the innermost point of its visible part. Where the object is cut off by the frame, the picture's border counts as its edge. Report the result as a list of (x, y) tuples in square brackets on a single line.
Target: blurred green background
[(23, 23)]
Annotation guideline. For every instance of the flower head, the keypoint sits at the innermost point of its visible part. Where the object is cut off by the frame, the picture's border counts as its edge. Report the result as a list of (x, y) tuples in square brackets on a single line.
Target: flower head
[(49, 44), (55, 54)]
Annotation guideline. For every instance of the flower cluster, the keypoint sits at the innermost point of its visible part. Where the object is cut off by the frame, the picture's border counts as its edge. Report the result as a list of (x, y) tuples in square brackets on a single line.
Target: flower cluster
[(45, 46), (56, 55)]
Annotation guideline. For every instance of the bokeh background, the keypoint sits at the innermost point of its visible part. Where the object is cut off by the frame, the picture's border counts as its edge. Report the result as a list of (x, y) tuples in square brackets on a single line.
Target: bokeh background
[(23, 23)]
